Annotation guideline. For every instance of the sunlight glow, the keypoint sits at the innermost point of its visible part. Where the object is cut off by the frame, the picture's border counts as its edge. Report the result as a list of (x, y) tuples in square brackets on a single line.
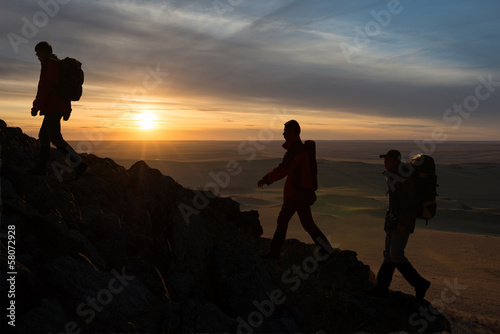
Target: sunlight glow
[(147, 121)]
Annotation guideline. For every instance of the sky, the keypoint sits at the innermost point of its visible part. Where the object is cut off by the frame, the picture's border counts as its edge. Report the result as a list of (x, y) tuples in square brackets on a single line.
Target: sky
[(238, 69)]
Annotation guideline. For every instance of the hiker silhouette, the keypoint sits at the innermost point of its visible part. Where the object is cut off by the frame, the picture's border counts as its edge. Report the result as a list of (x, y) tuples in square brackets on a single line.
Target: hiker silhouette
[(53, 108), (399, 224), (298, 192)]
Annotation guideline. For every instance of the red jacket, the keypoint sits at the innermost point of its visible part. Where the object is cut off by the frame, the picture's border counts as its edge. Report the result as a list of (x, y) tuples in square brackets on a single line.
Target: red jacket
[(47, 100), (296, 167)]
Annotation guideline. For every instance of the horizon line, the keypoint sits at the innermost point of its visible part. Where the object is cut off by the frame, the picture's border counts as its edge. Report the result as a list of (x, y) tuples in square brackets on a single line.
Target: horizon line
[(281, 140)]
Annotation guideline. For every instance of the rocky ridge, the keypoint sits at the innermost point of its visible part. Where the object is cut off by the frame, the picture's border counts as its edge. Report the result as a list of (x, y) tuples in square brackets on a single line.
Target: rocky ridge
[(116, 251)]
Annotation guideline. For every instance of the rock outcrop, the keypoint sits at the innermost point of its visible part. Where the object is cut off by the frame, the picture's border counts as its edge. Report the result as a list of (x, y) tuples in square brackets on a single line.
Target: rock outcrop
[(133, 251)]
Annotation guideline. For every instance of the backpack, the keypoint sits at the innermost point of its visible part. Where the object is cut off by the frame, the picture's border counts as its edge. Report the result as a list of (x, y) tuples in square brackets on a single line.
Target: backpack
[(69, 86), (425, 178), (310, 146)]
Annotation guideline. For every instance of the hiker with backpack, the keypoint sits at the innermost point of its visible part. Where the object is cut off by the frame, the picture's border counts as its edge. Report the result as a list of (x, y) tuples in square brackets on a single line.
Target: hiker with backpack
[(299, 167), (53, 107), (399, 224)]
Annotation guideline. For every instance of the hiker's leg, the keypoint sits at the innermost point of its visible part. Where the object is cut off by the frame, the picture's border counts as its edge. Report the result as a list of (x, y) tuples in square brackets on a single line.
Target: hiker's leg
[(307, 221), (413, 277), (44, 134), (385, 272), (287, 211), (44, 149), (384, 276), (410, 274), (57, 139), (72, 158), (54, 130), (396, 243)]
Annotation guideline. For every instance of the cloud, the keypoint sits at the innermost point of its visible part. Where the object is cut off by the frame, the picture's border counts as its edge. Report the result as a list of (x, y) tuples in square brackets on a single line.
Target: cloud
[(271, 53)]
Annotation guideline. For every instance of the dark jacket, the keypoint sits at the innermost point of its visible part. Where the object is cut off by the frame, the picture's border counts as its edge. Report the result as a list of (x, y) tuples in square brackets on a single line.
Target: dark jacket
[(402, 199), (296, 167), (47, 100)]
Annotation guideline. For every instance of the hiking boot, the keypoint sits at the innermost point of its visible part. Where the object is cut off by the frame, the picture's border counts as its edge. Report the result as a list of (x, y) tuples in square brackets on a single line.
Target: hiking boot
[(384, 275), (421, 290), (413, 277), (377, 291), (275, 248), (80, 169)]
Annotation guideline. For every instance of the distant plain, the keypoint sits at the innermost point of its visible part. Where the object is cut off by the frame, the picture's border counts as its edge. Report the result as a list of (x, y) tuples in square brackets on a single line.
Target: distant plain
[(459, 247)]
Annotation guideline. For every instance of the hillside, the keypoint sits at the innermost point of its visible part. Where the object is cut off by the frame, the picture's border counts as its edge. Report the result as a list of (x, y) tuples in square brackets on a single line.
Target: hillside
[(131, 250)]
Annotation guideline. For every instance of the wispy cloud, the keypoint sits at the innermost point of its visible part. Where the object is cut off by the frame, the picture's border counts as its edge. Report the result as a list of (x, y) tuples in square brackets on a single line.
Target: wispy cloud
[(268, 53)]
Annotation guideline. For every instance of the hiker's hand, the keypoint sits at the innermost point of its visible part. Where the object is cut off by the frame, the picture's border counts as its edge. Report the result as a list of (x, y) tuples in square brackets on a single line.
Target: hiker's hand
[(261, 183), (34, 112), (66, 117)]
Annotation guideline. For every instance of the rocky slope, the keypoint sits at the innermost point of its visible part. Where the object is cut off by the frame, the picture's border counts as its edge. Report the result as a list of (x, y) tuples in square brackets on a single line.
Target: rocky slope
[(133, 251)]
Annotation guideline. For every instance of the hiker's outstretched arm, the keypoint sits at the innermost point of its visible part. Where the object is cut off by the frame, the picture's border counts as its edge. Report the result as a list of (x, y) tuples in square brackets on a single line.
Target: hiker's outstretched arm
[(289, 163)]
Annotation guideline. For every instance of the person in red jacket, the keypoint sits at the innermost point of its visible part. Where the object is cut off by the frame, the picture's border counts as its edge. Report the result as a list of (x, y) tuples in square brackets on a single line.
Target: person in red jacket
[(298, 192), (53, 108)]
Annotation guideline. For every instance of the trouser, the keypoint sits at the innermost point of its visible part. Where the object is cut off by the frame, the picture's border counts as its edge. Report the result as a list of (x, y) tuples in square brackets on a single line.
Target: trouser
[(395, 244), (394, 257), (288, 209), (50, 132)]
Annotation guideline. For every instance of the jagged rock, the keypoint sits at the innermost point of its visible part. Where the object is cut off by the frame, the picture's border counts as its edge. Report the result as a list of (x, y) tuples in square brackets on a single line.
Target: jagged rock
[(249, 223), (346, 272), (76, 241), (133, 251), (241, 277), (192, 316), (11, 201), (45, 318)]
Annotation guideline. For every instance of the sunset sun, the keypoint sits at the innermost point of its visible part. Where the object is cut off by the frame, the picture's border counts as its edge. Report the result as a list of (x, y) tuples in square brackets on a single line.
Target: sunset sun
[(147, 121)]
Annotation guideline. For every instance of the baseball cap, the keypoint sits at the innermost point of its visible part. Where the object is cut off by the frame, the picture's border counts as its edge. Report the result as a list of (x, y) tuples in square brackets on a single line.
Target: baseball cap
[(391, 154)]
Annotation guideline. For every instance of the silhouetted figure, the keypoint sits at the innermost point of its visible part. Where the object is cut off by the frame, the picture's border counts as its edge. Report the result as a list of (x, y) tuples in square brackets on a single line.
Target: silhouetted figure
[(53, 108), (399, 224), (298, 191)]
